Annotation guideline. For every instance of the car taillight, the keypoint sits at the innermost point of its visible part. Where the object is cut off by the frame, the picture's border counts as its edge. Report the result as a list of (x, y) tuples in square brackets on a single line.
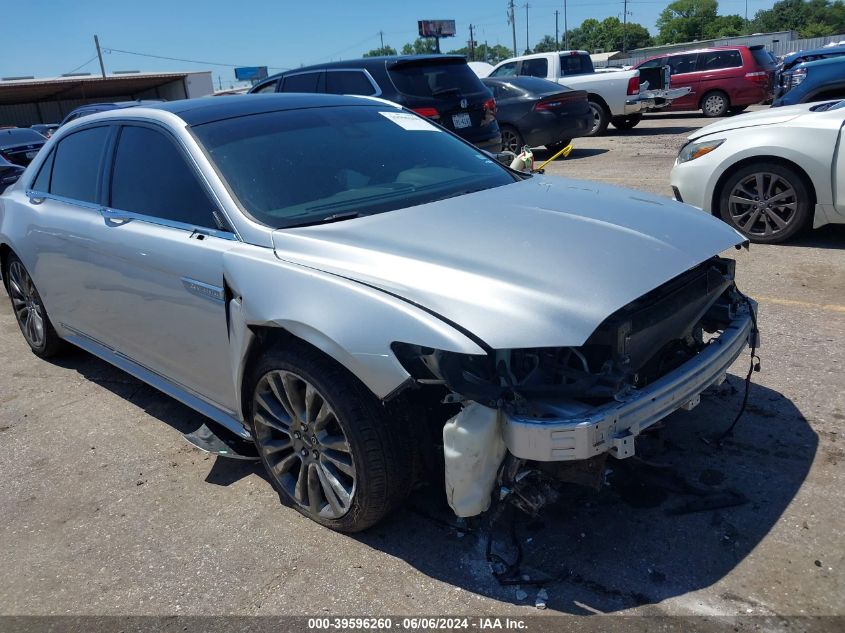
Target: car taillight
[(634, 85), (490, 105), (760, 77), (431, 113)]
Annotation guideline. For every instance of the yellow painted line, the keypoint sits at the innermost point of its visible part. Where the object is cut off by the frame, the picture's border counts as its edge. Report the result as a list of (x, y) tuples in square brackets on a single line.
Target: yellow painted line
[(830, 307)]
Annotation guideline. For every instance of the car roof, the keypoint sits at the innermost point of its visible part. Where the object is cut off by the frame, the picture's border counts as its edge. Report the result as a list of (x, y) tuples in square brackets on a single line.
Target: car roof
[(371, 62), (204, 110), (830, 50)]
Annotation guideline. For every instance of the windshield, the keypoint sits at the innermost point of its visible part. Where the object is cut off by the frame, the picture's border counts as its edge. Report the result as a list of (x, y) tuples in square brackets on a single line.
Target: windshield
[(830, 105), (20, 135), (298, 167)]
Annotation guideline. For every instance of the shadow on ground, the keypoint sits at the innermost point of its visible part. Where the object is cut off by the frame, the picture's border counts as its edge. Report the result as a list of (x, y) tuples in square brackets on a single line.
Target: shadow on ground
[(829, 236), (629, 544)]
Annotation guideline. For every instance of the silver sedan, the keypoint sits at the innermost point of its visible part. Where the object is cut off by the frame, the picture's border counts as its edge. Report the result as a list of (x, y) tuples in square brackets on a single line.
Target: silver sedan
[(353, 289)]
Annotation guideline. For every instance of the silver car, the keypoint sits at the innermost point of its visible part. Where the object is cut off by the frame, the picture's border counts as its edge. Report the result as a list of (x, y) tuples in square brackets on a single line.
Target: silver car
[(336, 278)]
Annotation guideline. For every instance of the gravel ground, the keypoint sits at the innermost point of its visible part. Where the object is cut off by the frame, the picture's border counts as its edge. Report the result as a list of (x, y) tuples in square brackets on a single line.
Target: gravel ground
[(104, 509)]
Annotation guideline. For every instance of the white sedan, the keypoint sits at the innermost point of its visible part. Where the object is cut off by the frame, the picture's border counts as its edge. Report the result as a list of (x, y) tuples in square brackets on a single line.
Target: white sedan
[(768, 174)]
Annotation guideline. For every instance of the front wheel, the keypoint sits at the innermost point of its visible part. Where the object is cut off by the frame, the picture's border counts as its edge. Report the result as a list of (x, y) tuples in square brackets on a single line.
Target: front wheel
[(511, 139), (29, 311), (766, 202), (715, 104), (626, 122), (327, 443), (601, 119)]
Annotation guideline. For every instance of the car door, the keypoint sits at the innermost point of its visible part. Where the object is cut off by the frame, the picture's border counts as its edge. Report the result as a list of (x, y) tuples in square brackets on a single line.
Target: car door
[(309, 81), (159, 290), (723, 70), (683, 69)]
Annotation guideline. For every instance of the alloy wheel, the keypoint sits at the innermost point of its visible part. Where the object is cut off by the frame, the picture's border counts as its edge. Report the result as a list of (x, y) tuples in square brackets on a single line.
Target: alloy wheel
[(511, 142), (27, 305), (763, 204), (303, 444), (597, 117)]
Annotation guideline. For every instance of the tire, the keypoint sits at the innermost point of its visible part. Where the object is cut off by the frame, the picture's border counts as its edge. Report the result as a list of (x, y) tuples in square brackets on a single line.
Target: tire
[(601, 118), (554, 148), (760, 219), (511, 139), (35, 325), (715, 104), (626, 122), (349, 462)]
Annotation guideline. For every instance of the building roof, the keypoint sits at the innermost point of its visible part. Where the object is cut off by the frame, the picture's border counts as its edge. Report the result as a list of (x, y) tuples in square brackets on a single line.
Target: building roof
[(23, 90)]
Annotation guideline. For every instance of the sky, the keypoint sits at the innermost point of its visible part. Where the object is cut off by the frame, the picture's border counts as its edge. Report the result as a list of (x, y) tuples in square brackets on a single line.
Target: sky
[(279, 34)]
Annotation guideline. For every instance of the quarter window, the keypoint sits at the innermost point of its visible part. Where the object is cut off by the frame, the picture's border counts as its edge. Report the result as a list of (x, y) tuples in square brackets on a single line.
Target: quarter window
[(151, 177), (348, 82), (42, 180), (76, 167), (719, 59)]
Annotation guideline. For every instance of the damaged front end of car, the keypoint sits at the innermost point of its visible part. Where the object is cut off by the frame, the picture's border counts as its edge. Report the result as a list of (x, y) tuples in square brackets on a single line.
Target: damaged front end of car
[(535, 408)]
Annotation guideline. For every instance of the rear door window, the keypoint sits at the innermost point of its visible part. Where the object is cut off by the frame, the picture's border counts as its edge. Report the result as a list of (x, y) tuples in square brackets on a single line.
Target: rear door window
[(152, 177), (268, 87), (681, 64), (505, 70), (579, 64), (303, 82), (427, 79), (77, 164), (717, 60), (349, 82), (535, 67)]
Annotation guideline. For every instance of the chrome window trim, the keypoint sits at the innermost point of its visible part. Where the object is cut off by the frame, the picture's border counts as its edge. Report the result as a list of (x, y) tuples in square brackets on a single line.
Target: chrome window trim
[(118, 215), (367, 74), (37, 197)]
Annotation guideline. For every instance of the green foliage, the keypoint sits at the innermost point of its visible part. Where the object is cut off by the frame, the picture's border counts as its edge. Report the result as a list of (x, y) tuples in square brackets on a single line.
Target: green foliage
[(608, 35), (379, 52), (814, 18), (484, 53), (420, 46), (685, 20), (546, 45)]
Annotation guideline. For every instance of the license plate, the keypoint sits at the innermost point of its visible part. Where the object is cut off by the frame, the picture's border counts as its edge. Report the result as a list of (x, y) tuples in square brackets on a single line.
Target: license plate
[(31, 155), (461, 120)]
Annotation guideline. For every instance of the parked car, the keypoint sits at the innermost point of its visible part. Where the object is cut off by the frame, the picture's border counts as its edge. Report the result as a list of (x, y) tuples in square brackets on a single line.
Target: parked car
[(45, 129), (440, 87), (615, 97), (820, 80), (93, 108), (9, 173), (535, 112), (722, 79), (769, 174), (794, 59), (19, 145), (319, 274)]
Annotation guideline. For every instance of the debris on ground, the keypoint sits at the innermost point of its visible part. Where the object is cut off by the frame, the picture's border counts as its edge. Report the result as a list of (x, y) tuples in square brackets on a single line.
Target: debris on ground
[(541, 599)]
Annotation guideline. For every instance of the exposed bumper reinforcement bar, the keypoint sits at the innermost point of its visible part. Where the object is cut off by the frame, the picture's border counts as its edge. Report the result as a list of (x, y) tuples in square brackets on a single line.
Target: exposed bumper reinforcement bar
[(571, 431)]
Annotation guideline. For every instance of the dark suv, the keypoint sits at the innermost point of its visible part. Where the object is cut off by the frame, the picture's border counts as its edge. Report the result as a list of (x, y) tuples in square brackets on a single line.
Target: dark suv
[(440, 87)]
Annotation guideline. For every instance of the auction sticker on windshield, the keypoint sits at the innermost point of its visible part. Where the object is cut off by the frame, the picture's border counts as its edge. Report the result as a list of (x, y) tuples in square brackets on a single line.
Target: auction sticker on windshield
[(410, 121)]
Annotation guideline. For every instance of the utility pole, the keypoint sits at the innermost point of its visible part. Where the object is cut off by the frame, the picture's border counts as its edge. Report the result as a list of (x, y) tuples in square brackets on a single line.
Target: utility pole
[(557, 46), (625, 27), (565, 29), (527, 45), (100, 56), (381, 37), (512, 20), (471, 45)]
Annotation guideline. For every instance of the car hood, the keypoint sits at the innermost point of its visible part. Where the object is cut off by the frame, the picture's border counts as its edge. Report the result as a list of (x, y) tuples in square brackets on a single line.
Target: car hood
[(538, 263), (771, 116)]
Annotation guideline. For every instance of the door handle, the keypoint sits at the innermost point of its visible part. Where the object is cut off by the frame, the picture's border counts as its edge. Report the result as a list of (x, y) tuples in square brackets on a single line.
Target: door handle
[(112, 214)]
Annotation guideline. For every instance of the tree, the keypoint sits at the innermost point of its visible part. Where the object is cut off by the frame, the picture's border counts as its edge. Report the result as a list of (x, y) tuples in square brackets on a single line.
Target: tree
[(814, 18), (546, 45), (608, 35), (725, 26), (484, 53), (420, 46), (686, 20), (379, 52)]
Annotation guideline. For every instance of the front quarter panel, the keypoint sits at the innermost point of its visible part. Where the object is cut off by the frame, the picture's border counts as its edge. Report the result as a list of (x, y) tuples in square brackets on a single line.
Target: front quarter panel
[(351, 322)]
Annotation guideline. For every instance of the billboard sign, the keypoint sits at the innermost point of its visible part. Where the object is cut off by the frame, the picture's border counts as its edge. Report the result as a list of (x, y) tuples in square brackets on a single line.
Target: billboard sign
[(251, 73), (436, 28)]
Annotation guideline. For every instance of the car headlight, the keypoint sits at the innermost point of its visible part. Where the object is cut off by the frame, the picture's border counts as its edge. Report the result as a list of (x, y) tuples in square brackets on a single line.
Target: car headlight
[(691, 151)]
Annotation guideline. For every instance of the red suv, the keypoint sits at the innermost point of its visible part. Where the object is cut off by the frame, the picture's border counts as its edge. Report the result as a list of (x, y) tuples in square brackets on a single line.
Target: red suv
[(722, 78)]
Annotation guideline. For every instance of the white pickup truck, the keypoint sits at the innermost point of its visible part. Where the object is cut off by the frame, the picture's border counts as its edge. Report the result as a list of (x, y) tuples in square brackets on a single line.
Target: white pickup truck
[(618, 97)]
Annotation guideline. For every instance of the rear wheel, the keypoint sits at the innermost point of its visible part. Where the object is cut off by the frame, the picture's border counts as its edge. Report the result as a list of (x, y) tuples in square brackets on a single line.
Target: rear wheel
[(766, 202), (327, 443), (626, 122), (511, 139), (601, 118), (715, 104), (29, 311)]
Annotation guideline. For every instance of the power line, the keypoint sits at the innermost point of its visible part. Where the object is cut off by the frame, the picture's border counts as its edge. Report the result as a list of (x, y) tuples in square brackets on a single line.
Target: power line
[(181, 59), (83, 65)]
